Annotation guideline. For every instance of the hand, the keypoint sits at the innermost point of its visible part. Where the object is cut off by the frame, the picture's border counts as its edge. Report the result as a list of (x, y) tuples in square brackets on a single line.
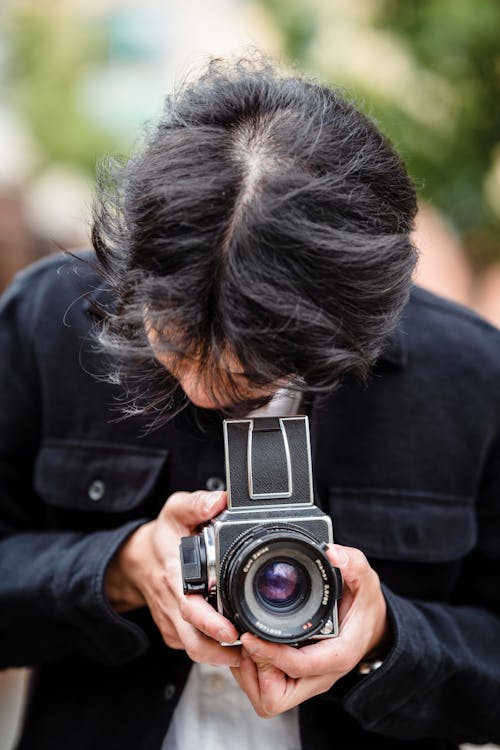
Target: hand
[(277, 677), (146, 571)]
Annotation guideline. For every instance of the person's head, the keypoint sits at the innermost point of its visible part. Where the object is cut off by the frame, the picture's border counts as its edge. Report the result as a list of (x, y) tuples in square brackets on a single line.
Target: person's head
[(261, 237)]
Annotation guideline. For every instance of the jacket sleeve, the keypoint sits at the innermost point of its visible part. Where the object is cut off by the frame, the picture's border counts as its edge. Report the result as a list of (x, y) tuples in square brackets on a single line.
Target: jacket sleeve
[(442, 676), (51, 582)]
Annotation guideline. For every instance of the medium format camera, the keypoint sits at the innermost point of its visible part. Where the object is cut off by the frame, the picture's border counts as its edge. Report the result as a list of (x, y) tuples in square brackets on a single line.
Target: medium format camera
[(262, 562)]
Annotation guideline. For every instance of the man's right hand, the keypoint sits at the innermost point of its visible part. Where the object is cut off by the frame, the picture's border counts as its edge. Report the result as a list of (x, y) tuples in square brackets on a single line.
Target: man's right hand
[(146, 571)]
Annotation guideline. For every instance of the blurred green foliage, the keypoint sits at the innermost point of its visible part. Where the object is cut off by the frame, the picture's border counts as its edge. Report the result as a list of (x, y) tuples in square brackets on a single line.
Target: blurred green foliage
[(442, 110), (49, 55), (298, 25), (450, 136)]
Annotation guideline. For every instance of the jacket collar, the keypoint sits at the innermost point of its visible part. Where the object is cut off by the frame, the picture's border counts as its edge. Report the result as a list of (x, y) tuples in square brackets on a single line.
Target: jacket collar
[(395, 350), (99, 300)]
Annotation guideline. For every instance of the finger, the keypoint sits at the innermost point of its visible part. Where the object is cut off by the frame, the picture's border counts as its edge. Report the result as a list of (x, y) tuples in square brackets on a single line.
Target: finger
[(201, 615), (191, 509), (344, 607), (247, 678), (274, 688), (195, 610), (333, 656), (278, 693), (281, 694), (204, 650), (171, 639), (167, 629), (270, 692), (236, 672), (352, 563), (361, 583), (198, 646), (363, 610), (166, 595)]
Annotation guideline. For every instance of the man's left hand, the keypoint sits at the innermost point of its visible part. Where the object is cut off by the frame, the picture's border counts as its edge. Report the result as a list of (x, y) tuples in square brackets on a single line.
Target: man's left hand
[(278, 677)]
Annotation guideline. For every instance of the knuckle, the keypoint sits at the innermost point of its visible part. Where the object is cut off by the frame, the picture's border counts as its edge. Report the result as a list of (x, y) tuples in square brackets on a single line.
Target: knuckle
[(359, 561), (160, 579), (324, 686), (195, 502), (360, 558), (271, 708), (194, 652), (156, 580), (171, 638), (372, 583), (346, 662), (167, 630), (184, 607), (295, 671), (198, 495), (176, 645), (171, 502), (176, 504), (375, 578), (260, 712)]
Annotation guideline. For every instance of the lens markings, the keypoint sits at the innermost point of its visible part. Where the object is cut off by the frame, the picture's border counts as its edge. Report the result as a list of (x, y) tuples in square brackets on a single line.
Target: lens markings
[(254, 557)]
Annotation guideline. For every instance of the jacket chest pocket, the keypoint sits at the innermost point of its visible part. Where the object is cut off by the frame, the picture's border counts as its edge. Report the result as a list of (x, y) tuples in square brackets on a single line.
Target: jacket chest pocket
[(403, 526), (97, 477)]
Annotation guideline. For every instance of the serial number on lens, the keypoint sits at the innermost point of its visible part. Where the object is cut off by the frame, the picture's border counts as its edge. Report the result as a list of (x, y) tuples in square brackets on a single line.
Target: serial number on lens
[(266, 629)]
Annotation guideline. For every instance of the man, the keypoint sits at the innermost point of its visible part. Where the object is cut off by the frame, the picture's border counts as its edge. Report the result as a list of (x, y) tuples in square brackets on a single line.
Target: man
[(256, 256)]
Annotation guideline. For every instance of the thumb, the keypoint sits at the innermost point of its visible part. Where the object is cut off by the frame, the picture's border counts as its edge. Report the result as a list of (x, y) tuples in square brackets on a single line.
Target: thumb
[(353, 564), (192, 509)]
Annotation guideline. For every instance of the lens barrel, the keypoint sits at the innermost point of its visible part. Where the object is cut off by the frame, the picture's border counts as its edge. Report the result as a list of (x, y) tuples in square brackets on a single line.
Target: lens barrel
[(278, 583)]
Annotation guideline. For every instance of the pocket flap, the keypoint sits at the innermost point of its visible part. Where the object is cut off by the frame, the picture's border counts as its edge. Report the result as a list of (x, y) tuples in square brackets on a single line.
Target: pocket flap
[(97, 476), (403, 525)]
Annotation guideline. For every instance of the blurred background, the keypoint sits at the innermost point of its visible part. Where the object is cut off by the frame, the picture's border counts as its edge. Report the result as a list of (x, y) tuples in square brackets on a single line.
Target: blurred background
[(81, 78)]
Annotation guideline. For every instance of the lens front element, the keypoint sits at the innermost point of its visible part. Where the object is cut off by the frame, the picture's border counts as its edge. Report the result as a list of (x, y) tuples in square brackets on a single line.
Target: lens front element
[(280, 584)]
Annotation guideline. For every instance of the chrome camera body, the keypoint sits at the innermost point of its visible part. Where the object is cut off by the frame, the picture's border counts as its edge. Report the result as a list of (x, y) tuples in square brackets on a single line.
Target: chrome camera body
[(262, 562)]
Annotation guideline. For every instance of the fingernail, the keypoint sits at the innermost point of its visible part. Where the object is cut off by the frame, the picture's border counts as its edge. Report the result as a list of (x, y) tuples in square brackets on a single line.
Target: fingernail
[(341, 556)]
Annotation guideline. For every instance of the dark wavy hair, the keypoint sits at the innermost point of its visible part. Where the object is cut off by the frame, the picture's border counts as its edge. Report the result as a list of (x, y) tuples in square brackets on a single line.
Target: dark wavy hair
[(265, 217)]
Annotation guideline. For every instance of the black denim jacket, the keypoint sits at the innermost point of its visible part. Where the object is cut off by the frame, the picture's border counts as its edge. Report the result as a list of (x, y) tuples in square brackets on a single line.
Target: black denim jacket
[(408, 467)]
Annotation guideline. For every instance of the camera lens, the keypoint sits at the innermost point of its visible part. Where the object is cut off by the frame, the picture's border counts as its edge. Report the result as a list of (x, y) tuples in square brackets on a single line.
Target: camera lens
[(277, 583), (280, 584)]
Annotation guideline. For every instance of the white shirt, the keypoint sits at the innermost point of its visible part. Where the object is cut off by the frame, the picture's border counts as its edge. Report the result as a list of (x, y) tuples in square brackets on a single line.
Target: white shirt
[(213, 712)]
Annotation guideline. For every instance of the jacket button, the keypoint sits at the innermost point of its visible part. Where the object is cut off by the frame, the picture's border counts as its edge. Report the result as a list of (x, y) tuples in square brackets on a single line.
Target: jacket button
[(169, 691), (96, 490), (215, 483)]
